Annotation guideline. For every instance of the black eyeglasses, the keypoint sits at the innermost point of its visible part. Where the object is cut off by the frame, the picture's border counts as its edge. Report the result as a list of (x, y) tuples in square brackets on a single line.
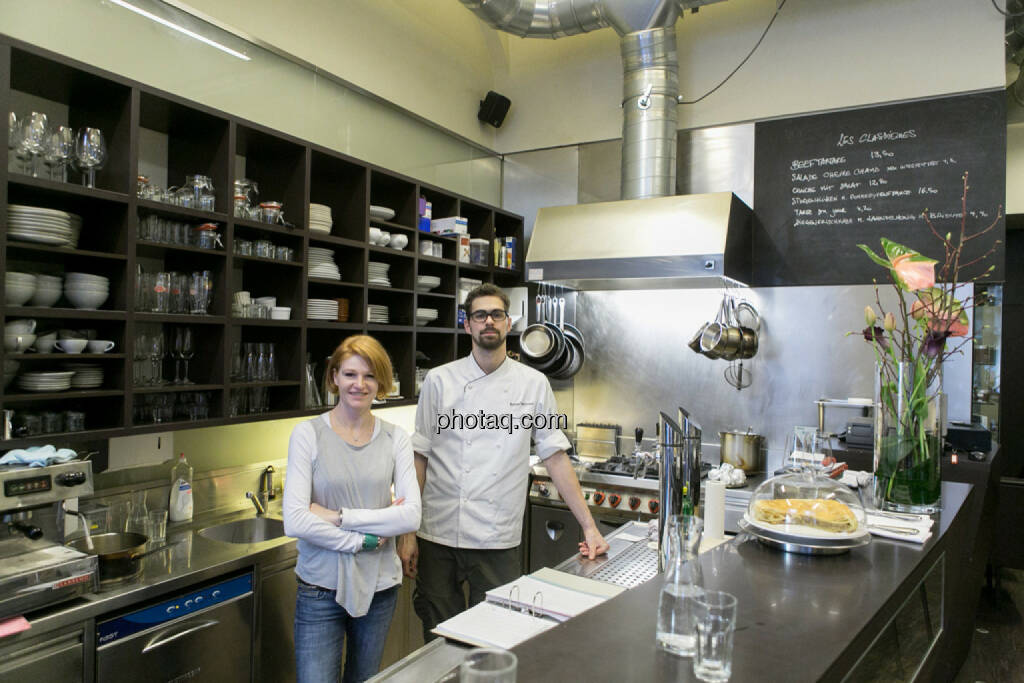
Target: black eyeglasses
[(497, 315)]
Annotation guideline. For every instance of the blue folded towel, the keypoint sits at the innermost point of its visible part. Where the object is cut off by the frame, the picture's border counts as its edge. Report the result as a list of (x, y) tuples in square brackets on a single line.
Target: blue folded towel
[(37, 456)]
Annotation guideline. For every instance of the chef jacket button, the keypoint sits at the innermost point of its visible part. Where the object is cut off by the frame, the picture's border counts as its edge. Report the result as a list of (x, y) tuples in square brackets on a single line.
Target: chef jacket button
[(468, 442), (499, 446)]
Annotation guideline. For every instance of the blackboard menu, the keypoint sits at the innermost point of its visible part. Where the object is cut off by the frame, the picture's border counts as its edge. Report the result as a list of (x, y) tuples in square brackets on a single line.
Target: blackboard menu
[(824, 183)]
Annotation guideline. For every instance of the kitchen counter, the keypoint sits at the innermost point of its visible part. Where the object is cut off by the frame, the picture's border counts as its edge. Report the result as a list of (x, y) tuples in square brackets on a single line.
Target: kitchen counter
[(193, 559), (800, 618)]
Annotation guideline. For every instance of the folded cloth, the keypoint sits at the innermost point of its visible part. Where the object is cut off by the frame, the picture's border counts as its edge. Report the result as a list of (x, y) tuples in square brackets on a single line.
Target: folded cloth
[(728, 475), (37, 456), (905, 527)]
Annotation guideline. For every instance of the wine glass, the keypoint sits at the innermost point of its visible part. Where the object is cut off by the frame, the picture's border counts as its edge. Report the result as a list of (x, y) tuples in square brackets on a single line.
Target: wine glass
[(12, 130), (60, 146), (90, 153), (32, 140), (186, 350), (156, 354), (176, 355)]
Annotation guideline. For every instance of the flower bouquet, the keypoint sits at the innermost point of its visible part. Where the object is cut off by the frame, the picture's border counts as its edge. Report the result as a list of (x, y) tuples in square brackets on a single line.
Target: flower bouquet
[(910, 345)]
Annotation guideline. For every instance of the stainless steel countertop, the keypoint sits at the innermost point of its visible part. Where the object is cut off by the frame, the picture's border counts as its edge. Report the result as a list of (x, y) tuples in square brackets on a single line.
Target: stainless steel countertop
[(193, 559)]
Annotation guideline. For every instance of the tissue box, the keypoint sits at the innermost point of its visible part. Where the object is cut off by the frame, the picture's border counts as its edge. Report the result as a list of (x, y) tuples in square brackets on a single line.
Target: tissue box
[(424, 224), (456, 224)]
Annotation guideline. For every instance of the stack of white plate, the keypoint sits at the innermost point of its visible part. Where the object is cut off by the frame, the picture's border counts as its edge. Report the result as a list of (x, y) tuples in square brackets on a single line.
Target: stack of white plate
[(321, 309), (376, 313), (381, 213), (46, 381), (44, 226), (425, 315), (87, 375), (48, 290), (378, 274), (321, 264), (425, 283), (18, 287), (320, 219), (85, 290)]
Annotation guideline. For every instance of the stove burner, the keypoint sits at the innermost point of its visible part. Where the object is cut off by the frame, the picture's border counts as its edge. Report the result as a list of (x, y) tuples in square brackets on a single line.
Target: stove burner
[(623, 465)]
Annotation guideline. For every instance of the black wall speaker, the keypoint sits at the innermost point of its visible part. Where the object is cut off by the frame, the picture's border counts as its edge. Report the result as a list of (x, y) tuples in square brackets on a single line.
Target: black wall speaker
[(493, 108)]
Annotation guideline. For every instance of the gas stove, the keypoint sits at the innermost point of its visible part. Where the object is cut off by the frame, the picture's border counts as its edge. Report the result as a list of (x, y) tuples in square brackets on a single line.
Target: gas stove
[(626, 465)]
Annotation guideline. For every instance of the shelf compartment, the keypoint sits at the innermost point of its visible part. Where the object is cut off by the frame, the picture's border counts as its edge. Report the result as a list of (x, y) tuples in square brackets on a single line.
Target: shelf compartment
[(76, 99), (274, 399), (178, 139), (480, 219), (445, 271), (11, 400), (262, 278), (59, 191), (179, 318), (269, 261), (106, 223), (323, 239), (351, 261), (66, 313), (58, 357), (402, 270), (256, 230), (168, 407), (184, 213), (445, 306), (277, 164), (396, 193), (449, 248), (14, 248), (288, 357), (158, 250), (443, 204), (341, 185), (402, 354), (156, 258)]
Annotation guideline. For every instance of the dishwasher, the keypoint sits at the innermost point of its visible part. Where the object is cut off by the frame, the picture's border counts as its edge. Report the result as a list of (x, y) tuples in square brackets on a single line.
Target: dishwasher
[(204, 634)]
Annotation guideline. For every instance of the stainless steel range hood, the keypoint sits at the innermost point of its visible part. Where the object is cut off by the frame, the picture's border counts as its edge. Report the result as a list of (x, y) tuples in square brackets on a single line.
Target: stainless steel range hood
[(681, 241)]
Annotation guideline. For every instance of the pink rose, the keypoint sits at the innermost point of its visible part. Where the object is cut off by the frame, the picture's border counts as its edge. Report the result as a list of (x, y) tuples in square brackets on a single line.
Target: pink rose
[(914, 272)]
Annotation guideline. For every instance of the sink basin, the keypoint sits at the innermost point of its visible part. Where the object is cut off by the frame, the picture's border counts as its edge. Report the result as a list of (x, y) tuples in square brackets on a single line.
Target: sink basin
[(252, 530)]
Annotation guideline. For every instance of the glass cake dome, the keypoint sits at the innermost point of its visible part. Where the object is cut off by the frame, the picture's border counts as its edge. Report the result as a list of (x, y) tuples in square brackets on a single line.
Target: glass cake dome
[(806, 512)]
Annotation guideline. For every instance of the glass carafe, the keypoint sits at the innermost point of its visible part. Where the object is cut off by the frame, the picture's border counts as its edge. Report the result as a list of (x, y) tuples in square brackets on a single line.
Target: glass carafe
[(683, 582), (139, 513)]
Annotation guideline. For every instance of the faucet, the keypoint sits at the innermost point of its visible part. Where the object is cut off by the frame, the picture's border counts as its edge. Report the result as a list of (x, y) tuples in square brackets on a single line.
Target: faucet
[(261, 509), (267, 485), (678, 473)]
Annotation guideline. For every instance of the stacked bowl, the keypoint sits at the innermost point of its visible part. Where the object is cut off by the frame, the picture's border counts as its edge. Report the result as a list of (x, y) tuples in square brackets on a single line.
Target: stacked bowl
[(18, 287), (48, 290), (425, 315), (19, 335), (425, 283), (10, 370), (86, 291)]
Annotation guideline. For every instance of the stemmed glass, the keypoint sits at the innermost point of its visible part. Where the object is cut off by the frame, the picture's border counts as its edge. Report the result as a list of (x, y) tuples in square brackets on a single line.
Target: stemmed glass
[(185, 348), (12, 130), (32, 141), (140, 356), (60, 147), (90, 153)]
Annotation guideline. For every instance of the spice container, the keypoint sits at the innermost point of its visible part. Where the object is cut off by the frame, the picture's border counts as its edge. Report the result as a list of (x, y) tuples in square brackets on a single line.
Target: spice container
[(478, 251), (271, 212), (264, 248), (243, 247), (205, 236)]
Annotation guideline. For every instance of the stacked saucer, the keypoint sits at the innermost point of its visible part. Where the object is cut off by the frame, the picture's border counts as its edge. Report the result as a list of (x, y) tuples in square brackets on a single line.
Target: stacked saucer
[(321, 309), (381, 213), (87, 375), (43, 226), (321, 264), (378, 274), (425, 315), (376, 313), (46, 381), (320, 219)]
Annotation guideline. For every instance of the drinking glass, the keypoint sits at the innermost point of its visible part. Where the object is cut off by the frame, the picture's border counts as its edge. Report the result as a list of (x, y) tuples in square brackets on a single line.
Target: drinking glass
[(185, 347), (715, 622), (488, 665), (90, 153), (12, 130), (161, 298), (176, 355), (140, 355), (156, 355), (199, 292), (156, 526), (806, 448), (60, 147)]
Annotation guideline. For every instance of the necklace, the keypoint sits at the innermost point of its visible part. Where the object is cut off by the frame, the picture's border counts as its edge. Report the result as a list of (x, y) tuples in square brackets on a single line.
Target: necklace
[(356, 435)]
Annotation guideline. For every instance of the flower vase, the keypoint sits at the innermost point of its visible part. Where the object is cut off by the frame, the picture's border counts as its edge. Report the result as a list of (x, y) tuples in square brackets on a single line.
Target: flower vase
[(909, 416)]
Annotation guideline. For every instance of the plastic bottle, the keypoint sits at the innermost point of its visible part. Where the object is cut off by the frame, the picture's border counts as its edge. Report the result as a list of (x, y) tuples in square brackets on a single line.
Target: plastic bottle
[(180, 508)]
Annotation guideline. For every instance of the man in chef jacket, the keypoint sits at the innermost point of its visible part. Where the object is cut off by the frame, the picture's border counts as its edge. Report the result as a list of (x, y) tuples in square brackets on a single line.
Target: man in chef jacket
[(474, 422)]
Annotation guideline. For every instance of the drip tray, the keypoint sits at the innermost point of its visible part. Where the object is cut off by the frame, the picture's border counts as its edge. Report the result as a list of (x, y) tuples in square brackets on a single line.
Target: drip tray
[(631, 567)]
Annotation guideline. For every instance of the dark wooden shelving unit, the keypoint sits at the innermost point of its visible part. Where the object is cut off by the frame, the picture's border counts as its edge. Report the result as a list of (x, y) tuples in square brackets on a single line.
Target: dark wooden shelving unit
[(203, 141)]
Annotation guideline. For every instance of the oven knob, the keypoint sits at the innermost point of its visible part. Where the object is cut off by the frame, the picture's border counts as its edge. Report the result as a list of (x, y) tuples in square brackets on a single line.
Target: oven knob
[(70, 478), (652, 505), (543, 490), (598, 497), (614, 500), (586, 495), (634, 502)]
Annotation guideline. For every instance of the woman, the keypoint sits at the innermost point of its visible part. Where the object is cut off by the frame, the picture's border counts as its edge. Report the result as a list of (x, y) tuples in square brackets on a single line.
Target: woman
[(337, 502)]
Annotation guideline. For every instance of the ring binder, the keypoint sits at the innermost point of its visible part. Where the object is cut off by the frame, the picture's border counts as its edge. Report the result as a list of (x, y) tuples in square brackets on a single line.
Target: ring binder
[(533, 607)]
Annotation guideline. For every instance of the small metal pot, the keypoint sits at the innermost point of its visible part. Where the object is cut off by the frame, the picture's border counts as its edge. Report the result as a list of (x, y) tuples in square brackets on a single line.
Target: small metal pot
[(118, 553), (743, 450)]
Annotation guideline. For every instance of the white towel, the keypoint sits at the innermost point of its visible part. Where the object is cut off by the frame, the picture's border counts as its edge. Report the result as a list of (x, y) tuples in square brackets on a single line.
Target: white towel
[(37, 456), (891, 527)]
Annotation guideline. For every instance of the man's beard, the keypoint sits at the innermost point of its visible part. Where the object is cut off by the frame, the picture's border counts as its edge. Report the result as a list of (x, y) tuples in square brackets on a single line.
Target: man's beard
[(490, 343)]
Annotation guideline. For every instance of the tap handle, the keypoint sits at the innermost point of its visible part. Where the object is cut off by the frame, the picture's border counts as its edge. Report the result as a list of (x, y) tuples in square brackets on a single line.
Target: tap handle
[(638, 434)]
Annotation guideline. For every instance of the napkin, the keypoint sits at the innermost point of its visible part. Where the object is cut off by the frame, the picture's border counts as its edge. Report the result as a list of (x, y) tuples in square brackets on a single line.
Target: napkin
[(37, 456), (728, 475), (880, 524)]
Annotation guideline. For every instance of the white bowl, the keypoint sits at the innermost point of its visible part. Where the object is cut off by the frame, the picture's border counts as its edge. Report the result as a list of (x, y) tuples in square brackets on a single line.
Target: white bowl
[(398, 241), (375, 235), (86, 299), (280, 313), (23, 326), (46, 297), (18, 294), (270, 301), (17, 343), (384, 238)]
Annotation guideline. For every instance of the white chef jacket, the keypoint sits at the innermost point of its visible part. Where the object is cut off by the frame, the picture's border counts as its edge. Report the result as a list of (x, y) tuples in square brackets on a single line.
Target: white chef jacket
[(476, 483)]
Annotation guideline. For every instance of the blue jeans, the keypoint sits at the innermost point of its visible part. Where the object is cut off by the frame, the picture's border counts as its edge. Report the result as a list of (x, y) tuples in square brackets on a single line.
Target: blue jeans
[(321, 625)]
